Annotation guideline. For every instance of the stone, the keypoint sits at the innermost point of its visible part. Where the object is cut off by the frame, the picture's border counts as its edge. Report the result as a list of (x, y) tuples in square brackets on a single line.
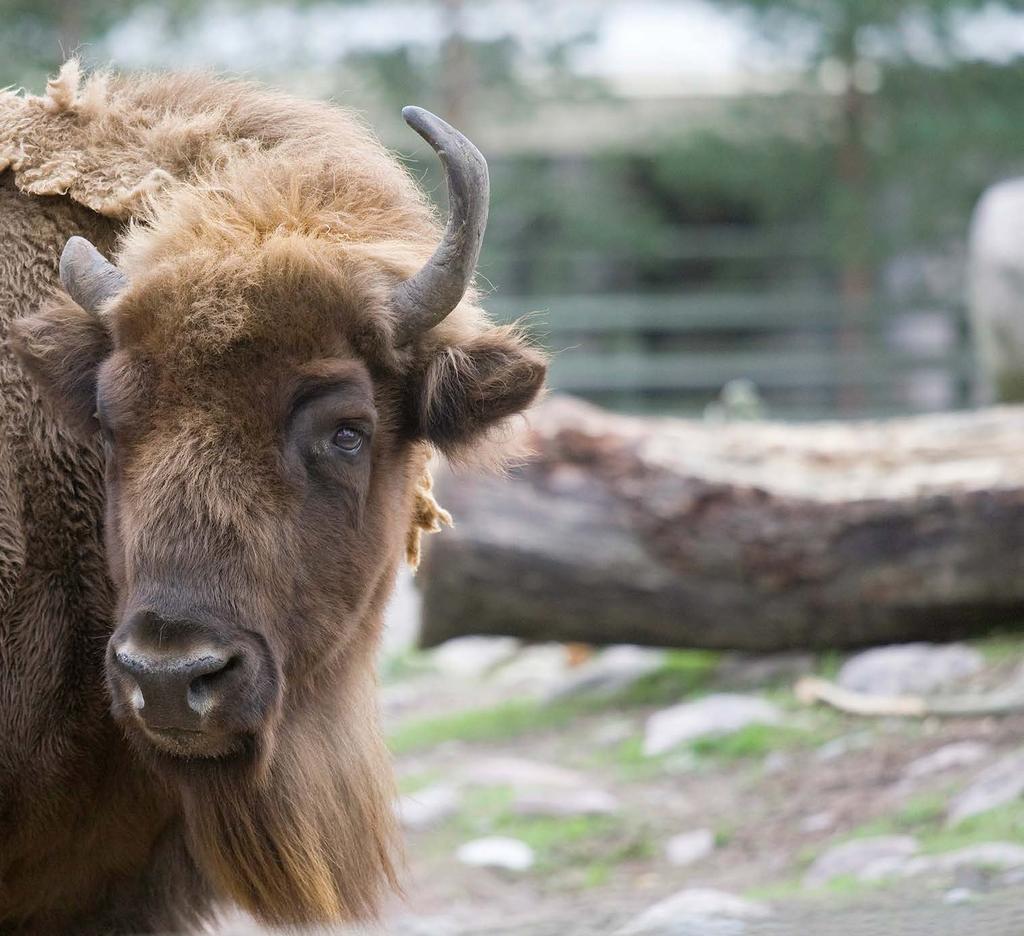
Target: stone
[(948, 757), (997, 785), (612, 671), (696, 911), (717, 714), (958, 895), (985, 856), (909, 669), (866, 859), (428, 807), (535, 669), (521, 774), (565, 803), (473, 657), (689, 847), (496, 851)]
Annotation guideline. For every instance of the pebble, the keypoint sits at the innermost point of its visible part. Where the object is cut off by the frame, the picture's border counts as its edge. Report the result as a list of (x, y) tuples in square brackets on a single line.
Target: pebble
[(689, 847), (500, 852)]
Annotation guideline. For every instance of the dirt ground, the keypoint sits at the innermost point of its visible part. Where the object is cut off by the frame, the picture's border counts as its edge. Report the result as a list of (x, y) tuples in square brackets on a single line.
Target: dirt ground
[(775, 798)]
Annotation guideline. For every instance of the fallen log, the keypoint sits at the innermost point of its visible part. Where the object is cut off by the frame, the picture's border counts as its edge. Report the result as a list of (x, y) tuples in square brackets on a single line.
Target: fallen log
[(746, 536)]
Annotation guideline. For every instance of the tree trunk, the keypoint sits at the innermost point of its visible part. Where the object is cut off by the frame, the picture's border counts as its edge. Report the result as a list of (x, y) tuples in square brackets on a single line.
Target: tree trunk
[(749, 536)]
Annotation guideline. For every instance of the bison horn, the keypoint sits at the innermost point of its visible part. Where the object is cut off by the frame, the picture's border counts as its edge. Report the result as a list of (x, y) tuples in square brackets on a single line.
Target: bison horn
[(423, 300), (89, 277)]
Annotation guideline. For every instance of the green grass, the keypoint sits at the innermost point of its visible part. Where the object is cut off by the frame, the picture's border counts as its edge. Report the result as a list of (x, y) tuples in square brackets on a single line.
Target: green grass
[(499, 722), (752, 741), (683, 674), (1005, 824)]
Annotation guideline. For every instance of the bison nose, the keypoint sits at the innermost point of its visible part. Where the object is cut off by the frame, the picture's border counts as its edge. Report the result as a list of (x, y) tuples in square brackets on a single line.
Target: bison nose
[(170, 675), (173, 692)]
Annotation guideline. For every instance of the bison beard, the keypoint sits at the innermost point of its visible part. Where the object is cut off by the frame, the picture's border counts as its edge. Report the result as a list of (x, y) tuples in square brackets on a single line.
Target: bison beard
[(282, 339), (313, 839)]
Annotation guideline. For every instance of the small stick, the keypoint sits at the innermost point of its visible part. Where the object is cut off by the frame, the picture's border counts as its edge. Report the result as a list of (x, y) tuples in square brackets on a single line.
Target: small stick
[(1006, 701)]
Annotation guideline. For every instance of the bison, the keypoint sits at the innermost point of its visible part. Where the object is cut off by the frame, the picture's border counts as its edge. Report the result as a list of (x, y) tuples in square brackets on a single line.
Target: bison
[(214, 455)]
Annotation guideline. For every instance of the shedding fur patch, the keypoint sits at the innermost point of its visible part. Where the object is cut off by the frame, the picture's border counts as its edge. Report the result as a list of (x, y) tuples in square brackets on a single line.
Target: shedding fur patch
[(428, 516)]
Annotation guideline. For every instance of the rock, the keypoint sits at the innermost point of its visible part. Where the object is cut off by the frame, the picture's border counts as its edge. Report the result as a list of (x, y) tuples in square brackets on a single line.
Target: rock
[(614, 670), (507, 854), (998, 785), (958, 895), (696, 911), (909, 669), (521, 774), (473, 657), (689, 847), (865, 859), (565, 803), (947, 757), (717, 714), (535, 669), (428, 807), (986, 856)]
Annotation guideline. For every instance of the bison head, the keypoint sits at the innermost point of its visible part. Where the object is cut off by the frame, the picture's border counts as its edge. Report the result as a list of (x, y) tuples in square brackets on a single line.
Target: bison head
[(267, 388)]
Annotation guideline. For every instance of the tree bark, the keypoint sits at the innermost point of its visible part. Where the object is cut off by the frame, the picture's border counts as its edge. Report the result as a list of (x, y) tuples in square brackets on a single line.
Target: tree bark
[(747, 536)]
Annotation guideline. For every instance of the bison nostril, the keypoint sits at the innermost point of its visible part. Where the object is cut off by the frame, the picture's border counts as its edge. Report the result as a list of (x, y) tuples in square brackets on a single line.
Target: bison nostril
[(203, 688)]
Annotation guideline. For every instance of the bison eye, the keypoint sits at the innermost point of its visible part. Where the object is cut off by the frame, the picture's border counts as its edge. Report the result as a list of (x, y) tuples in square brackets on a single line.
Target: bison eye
[(349, 440)]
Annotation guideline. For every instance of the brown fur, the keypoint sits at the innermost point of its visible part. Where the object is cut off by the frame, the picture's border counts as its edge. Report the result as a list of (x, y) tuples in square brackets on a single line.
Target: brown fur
[(261, 237)]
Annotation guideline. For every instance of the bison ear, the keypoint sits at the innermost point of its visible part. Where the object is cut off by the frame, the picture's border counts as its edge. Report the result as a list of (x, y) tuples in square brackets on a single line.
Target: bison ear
[(470, 388), (62, 348)]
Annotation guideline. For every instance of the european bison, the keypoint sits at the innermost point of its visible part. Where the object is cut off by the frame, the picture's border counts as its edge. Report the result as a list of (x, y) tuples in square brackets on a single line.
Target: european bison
[(202, 516)]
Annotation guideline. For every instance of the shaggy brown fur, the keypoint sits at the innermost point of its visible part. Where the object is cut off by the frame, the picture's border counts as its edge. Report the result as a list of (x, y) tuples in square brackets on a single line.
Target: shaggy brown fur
[(261, 237)]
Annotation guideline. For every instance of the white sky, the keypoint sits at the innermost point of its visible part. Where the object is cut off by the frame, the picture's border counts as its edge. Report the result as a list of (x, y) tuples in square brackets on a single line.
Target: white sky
[(689, 43)]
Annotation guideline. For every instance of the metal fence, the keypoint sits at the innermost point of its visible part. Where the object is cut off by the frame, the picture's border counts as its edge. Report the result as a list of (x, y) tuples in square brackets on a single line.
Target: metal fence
[(760, 305)]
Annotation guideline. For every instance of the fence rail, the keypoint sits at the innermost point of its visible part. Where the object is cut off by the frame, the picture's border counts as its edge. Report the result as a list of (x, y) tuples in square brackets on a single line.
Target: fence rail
[(674, 352)]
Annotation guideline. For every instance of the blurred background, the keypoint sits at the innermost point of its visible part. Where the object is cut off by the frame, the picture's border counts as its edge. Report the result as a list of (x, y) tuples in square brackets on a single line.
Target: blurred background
[(690, 191), (734, 210)]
